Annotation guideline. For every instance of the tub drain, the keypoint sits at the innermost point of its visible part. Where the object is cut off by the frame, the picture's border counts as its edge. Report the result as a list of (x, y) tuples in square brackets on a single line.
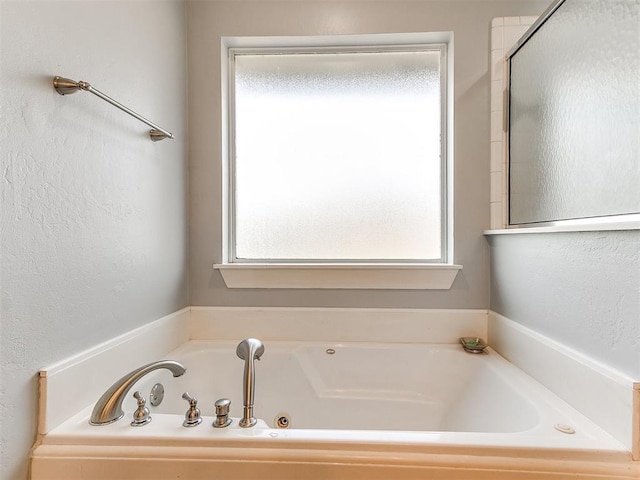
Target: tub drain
[(282, 420), (564, 428)]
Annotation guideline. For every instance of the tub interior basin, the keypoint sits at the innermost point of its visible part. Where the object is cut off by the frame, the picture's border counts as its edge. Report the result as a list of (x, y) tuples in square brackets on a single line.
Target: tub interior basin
[(410, 387)]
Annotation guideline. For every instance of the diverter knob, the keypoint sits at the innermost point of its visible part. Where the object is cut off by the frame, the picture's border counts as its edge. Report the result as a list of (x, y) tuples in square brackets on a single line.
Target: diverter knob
[(222, 413)]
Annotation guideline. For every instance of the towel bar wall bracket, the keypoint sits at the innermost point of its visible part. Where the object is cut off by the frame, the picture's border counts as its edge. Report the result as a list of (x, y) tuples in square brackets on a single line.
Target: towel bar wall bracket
[(66, 86)]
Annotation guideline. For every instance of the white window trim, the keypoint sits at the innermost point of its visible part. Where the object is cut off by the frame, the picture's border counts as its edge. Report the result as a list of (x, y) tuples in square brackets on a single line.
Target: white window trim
[(339, 275), (593, 224)]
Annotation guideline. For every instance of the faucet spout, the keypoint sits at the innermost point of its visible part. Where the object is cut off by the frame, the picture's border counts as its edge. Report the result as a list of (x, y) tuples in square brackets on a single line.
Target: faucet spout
[(249, 350), (108, 408)]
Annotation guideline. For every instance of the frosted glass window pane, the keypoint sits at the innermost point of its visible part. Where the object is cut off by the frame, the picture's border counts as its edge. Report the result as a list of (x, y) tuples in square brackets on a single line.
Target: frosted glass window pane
[(338, 156), (575, 115)]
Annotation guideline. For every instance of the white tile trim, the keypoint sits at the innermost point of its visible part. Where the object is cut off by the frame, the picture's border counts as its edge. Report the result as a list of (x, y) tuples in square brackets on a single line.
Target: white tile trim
[(504, 33), (601, 393), (78, 381), (337, 324)]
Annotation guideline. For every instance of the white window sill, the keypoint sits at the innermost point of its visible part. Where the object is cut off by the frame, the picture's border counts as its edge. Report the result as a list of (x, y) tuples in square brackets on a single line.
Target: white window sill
[(577, 227), (399, 276)]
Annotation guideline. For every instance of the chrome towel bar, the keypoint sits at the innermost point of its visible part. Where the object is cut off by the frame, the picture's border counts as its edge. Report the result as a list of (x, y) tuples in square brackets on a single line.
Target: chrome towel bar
[(65, 86)]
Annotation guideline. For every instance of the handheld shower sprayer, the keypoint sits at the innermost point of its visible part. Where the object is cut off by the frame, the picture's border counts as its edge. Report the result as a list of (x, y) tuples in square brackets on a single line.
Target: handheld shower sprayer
[(249, 350)]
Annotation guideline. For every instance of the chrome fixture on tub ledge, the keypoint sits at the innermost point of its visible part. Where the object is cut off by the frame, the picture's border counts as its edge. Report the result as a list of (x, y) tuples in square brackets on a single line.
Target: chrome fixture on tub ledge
[(249, 349), (192, 417), (473, 344), (222, 413), (108, 408), (141, 416), (66, 86)]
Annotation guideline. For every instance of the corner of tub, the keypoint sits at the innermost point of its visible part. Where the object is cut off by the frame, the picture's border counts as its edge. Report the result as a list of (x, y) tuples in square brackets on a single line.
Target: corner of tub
[(42, 403), (635, 441)]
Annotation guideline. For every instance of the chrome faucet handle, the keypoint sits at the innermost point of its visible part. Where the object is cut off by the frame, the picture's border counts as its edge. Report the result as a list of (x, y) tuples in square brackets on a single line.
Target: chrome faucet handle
[(222, 413), (192, 417), (141, 415), (108, 408)]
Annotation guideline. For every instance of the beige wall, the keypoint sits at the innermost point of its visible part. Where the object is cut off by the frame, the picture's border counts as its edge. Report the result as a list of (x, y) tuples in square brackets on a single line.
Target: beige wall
[(94, 227), (470, 21), (581, 289)]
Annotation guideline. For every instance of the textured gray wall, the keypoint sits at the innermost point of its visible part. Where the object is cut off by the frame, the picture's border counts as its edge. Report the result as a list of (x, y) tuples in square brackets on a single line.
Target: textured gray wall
[(94, 215), (581, 289), (470, 21)]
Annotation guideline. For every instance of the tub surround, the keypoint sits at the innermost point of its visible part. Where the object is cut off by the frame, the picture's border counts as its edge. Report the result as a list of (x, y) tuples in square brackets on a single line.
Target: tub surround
[(603, 394), (445, 450), (364, 388), (336, 324), (62, 394), (80, 380), (164, 445)]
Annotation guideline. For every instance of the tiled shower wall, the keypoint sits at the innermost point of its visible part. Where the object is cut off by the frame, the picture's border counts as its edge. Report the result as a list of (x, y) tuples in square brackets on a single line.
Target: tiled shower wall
[(505, 32)]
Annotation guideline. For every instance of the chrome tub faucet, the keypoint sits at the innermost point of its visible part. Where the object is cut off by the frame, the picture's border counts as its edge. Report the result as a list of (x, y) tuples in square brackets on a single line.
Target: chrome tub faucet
[(249, 350), (108, 408)]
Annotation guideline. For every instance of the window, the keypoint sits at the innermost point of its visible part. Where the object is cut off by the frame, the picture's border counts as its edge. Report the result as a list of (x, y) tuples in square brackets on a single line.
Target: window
[(337, 154), (574, 116)]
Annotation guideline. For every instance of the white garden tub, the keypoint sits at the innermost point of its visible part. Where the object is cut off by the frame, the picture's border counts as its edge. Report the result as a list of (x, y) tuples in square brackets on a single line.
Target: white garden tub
[(354, 411)]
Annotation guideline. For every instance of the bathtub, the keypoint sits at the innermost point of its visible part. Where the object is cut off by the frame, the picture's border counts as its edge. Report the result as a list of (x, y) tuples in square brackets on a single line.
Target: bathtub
[(351, 410)]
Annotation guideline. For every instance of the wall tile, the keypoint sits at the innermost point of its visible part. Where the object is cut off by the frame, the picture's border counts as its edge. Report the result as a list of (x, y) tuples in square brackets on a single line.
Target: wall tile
[(497, 95), (496, 38), (496, 186), (496, 126), (505, 33), (497, 162), (496, 215), (527, 20), (511, 35), (497, 65)]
